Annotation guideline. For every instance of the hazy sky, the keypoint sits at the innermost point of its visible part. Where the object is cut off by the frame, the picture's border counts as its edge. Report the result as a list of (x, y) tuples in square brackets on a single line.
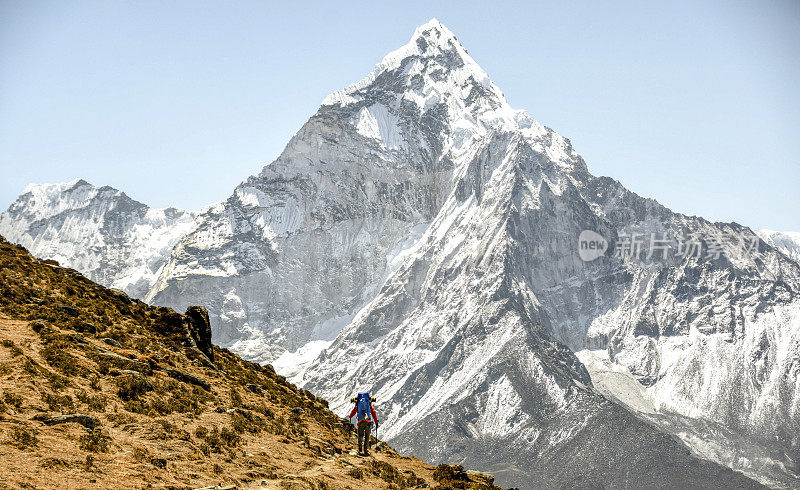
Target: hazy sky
[(696, 104)]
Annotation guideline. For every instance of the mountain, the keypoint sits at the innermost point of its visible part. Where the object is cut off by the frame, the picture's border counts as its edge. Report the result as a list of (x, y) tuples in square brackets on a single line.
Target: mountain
[(787, 242), (113, 239), (466, 337), (101, 391), (420, 238)]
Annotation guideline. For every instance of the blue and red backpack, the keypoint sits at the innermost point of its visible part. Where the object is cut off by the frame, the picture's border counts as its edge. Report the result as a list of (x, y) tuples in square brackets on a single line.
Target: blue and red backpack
[(363, 404)]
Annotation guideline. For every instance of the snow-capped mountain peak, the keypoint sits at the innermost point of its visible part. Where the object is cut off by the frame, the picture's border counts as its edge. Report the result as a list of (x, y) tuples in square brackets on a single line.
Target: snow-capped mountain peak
[(440, 32), (51, 189), (47, 200), (787, 242), (100, 231), (431, 41), (433, 82), (431, 68)]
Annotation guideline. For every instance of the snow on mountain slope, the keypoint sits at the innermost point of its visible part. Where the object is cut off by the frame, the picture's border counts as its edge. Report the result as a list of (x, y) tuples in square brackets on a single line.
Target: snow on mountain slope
[(430, 347), (307, 241), (461, 356), (99, 231), (787, 242), (761, 460)]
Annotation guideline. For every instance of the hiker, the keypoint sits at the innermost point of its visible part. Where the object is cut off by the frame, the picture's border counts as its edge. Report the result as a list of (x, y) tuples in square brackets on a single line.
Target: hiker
[(366, 415)]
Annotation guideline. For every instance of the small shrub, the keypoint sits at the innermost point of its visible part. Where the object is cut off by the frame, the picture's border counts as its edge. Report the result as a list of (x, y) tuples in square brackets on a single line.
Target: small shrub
[(356, 473), (161, 406), (30, 366), (205, 449), (265, 411), (141, 454), (50, 463), (236, 398), (213, 440), (177, 397), (132, 385), (62, 403), (142, 344), (62, 361), (246, 421), (22, 438), (96, 403), (137, 406), (217, 439), (95, 442), (13, 399), (279, 426), (104, 366), (57, 381), (15, 351), (229, 437), (173, 431), (121, 418), (296, 425), (201, 432)]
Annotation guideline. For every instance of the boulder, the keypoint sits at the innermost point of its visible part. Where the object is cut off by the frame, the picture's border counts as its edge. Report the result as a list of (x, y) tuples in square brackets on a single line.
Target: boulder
[(199, 328), (38, 325), (85, 328), (120, 295), (69, 311), (188, 378), (111, 342), (85, 420)]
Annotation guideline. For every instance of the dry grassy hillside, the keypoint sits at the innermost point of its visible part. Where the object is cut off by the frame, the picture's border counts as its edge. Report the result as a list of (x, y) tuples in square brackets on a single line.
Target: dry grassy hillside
[(101, 391)]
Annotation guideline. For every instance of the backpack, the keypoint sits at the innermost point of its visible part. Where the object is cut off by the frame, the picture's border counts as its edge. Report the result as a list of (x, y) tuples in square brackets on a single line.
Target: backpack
[(362, 402)]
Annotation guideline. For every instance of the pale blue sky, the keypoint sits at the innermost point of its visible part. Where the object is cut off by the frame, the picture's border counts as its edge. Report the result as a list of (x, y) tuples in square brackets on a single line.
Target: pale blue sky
[(696, 104)]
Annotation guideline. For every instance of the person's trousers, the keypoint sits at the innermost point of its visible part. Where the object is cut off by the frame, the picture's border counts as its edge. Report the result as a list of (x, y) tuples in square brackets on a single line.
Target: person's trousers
[(364, 428)]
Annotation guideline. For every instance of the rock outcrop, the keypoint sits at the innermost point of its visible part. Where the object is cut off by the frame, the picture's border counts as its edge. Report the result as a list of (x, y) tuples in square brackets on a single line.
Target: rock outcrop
[(200, 330)]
